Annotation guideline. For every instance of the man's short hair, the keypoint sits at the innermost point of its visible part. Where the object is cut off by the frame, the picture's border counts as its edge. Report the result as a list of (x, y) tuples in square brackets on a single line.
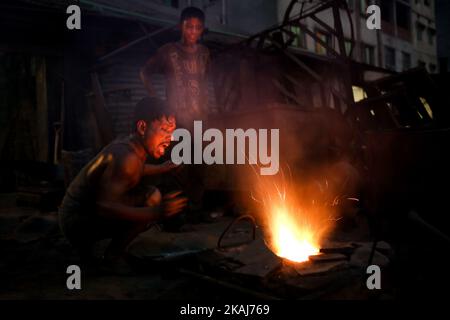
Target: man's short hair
[(192, 12), (150, 109)]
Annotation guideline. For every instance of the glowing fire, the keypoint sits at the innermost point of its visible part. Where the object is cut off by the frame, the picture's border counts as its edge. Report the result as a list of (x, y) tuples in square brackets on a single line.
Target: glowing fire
[(293, 229), (289, 239)]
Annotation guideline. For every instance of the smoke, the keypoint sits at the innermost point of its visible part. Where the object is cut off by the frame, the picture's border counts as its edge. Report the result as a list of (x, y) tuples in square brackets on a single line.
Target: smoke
[(265, 91), (318, 183)]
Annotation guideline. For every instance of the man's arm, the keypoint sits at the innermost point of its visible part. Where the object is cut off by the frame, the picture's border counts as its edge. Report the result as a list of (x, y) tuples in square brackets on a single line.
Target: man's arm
[(153, 65), (152, 169), (145, 78), (122, 175)]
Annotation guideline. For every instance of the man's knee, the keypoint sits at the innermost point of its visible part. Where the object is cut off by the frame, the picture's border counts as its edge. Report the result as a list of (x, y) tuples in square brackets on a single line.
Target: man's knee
[(154, 197)]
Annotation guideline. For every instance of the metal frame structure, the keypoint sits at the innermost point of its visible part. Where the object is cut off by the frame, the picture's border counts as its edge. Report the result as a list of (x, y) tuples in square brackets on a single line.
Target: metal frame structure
[(281, 37)]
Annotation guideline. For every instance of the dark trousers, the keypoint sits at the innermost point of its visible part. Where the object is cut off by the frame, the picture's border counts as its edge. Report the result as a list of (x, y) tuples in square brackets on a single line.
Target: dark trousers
[(83, 227)]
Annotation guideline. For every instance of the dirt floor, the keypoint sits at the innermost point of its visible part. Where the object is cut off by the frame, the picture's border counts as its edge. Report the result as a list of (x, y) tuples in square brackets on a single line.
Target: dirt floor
[(35, 257)]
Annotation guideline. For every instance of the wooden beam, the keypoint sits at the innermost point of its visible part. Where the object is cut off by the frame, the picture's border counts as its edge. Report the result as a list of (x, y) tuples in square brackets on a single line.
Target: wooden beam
[(41, 109)]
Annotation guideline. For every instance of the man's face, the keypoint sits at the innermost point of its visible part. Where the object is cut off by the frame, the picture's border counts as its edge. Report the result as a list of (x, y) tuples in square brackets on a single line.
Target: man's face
[(191, 30), (158, 136)]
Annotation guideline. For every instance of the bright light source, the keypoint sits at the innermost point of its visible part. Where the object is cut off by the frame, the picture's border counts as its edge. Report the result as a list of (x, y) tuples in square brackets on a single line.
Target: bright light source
[(427, 107), (358, 93)]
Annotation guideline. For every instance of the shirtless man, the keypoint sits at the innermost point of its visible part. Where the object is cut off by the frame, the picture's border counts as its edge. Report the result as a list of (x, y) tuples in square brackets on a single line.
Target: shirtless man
[(185, 65), (105, 200)]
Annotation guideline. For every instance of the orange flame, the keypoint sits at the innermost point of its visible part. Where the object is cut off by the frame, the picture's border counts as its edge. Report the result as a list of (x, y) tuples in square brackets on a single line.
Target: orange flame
[(293, 230), (290, 239)]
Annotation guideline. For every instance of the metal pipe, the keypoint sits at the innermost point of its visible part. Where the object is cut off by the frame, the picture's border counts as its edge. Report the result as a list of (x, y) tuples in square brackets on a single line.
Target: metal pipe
[(132, 43), (154, 20), (358, 51), (245, 217), (129, 13), (224, 12), (147, 19), (414, 216)]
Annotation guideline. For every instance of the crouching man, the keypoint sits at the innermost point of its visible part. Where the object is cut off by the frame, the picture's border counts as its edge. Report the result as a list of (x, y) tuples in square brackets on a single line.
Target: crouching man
[(106, 199)]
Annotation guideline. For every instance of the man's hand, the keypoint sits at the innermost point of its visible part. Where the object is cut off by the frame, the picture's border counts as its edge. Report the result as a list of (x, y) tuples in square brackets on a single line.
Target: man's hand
[(152, 169), (172, 203), (168, 165)]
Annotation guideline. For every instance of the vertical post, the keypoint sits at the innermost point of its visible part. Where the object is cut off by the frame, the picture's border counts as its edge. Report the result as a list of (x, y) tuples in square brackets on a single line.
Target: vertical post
[(357, 11), (59, 130), (41, 109), (224, 12), (379, 47), (346, 76), (394, 10), (338, 28), (62, 114)]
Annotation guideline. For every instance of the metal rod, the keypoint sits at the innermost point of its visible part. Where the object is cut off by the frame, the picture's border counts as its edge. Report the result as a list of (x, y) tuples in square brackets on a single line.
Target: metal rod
[(125, 12), (339, 29), (414, 216), (150, 19), (144, 29), (321, 42), (352, 28), (62, 116), (315, 75), (224, 12), (132, 43), (288, 11), (293, 21), (324, 25), (245, 217)]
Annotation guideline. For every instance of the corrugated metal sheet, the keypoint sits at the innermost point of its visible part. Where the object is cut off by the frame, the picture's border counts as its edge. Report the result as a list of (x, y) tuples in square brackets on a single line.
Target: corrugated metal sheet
[(150, 9), (123, 88)]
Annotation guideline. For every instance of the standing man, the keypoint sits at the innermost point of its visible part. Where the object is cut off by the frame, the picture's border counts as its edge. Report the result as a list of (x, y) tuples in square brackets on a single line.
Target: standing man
[(185, 66)]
